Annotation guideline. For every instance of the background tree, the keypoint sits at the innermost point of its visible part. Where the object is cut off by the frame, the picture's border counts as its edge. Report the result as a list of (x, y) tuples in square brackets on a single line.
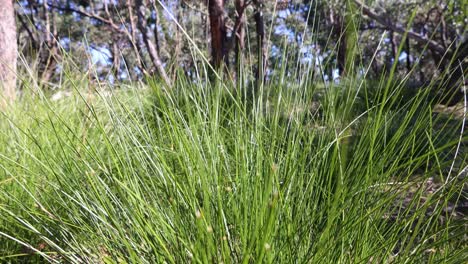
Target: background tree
[(150, 46), (239, 30), (8, 52), (128, 40), (219, 41)]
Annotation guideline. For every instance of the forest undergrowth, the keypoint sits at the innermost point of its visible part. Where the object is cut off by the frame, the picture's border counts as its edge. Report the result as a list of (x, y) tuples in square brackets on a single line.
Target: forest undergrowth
[(354, 172)]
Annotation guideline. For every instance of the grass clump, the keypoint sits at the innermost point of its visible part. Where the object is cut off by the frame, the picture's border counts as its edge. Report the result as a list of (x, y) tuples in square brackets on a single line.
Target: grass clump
[(203, 174)]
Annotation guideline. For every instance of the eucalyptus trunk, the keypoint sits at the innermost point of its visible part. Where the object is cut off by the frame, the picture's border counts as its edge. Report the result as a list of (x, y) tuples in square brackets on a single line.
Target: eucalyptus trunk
[(8, 51), (218, 30)]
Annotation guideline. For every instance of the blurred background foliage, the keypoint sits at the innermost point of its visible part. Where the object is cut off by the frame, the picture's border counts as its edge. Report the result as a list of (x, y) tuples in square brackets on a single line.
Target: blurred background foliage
[(127, 40)]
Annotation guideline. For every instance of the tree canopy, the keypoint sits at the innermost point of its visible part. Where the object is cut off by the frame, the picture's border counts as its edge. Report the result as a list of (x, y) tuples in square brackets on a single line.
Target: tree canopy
[(129, 40)]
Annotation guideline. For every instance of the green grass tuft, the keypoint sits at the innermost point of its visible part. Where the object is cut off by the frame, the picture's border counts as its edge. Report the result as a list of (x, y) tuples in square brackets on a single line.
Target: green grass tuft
[(208, 174)]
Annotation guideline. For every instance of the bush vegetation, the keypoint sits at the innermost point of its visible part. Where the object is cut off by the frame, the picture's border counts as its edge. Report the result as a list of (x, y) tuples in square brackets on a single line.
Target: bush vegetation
[(214, 172)]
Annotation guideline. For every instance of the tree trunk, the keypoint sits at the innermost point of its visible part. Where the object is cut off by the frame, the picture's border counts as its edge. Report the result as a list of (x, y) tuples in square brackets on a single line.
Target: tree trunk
[(178, 43), (454, 81), (351, 37), (408, 54), (346, 29), (156, 29), (8, 51), (153, 52), (115, 51), (218, 33), (394, 50), (262, 50), (240, 33), (341, 55), (133, 38), (339, 29), (50, 54)]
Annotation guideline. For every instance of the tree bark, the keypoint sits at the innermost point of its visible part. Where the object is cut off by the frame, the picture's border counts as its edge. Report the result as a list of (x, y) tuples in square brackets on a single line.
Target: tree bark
[(240, 30), (50, 54), (115, 51), (134, 40), (8, 53), (262, 49), (345, 26), (218, 33)]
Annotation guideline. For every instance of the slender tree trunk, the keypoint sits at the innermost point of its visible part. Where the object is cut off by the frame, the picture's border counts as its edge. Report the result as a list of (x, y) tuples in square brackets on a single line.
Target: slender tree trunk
[(456, 84), (134, 40), (206, 26), (218, 33), (408, 55), (394, 50), (152, 50), (346, 29), (340, 31), (8, 51), (161, 37), (341, 56), (394, 46), (177, 46), (49, 61), (240, 33), (115, 59), (351, 37), (156, 29), (262, 49), (32, 35), (132, 75)]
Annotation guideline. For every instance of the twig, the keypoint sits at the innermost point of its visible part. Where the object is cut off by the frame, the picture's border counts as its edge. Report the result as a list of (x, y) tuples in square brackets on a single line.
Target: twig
[(108, 22)]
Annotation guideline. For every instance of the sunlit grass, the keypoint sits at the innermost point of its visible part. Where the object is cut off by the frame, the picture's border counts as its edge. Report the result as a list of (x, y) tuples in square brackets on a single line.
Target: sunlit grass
[(204, 173)]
